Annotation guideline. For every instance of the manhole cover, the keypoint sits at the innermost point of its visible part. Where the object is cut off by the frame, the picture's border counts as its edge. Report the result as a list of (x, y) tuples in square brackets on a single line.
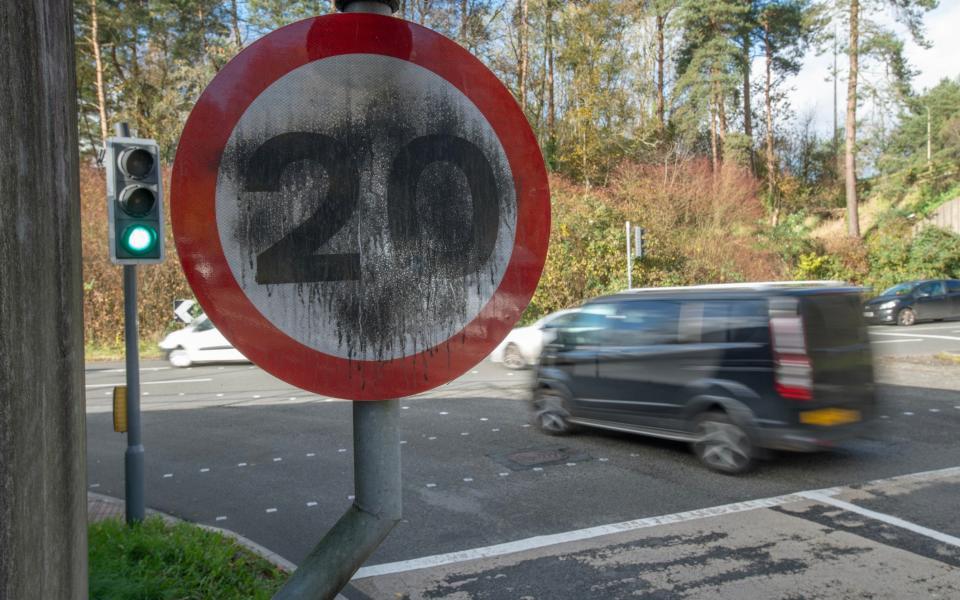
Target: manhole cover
[(522, 460)]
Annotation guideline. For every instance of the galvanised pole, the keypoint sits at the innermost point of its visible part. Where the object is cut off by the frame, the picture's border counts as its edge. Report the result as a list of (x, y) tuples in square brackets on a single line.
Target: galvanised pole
[(133, 458)]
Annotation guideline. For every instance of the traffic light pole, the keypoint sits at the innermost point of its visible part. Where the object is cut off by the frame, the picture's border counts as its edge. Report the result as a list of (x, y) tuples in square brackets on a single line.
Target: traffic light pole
[(133, 458)]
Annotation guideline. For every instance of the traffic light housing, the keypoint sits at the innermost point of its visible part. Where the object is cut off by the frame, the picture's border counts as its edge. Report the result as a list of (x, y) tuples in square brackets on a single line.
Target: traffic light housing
[(134, 201)]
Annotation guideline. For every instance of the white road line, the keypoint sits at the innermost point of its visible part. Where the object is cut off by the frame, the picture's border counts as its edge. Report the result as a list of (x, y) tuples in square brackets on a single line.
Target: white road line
[(197, 379), (241, 464), (221, 518), (277, 459), (142, 369), (311, 504), (205, 470), (167, 475), (897, 341), (543, 541), (883, 517), (271, 510), (926, 337)]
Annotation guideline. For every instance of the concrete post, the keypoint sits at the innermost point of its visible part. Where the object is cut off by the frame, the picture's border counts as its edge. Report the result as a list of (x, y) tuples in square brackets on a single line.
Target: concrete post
[(43, 505)]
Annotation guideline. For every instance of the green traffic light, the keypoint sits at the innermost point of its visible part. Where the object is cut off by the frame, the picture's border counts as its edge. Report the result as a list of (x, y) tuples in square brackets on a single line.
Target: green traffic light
[(139, 239)]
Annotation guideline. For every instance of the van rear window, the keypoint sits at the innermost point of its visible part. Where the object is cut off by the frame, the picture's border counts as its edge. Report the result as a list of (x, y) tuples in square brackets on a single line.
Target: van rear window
[(833, 320)]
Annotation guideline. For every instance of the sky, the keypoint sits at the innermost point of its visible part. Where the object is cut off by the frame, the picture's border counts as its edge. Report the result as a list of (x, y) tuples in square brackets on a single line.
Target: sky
[(812, 91)]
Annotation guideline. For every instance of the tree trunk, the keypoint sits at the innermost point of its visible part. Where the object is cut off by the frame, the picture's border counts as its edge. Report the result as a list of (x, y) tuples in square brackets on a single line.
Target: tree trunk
[(235, 24), (747, 102), (661, 21), (747, 110), (98, 63), (768, 104), (464, 18), (551, 85), (714, 149), (43, 472), (853, 218), (524, 8)]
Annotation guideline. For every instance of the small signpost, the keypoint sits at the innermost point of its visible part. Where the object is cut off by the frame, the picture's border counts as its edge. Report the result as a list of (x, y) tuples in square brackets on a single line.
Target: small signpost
[(362, 209)]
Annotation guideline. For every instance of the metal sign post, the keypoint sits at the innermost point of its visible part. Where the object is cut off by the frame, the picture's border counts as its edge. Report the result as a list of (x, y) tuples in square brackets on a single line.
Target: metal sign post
[(629, 260)]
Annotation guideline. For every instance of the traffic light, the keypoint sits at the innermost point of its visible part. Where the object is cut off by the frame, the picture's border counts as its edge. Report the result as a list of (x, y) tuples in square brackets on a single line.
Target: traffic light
[(134, 201)]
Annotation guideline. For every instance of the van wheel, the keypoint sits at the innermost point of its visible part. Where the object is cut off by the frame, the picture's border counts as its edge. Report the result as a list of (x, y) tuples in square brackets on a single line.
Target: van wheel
[(179, 358), (722, 445), (513, 358), (549, 413), (906, 317)]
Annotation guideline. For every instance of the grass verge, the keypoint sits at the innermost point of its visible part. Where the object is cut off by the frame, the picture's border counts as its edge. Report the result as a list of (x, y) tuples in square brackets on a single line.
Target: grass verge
[(159, 561), (104, 352), (949, 358)]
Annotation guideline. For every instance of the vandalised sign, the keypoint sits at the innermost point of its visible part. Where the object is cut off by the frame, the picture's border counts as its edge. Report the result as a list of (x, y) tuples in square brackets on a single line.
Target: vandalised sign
[(360, 206)]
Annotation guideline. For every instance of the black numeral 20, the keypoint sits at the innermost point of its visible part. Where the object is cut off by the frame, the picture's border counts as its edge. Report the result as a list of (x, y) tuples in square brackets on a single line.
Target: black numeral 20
[(293, 258)]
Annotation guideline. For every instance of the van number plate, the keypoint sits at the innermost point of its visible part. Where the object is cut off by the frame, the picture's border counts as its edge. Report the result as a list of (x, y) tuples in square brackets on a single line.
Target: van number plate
[(829, 416)]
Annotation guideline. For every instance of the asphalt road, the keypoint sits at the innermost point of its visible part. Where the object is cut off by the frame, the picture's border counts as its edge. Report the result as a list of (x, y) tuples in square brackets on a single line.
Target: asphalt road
[(925, 338), (230, 446)]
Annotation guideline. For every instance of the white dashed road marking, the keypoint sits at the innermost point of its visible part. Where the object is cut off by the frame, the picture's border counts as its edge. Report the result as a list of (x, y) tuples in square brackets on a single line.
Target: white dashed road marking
[(311, 503), (167, 475), (205, 470), (271, 510), (221, 518)]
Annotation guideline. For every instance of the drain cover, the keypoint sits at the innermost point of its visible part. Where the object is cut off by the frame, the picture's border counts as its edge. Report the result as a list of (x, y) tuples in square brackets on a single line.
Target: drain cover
[(528, 458)]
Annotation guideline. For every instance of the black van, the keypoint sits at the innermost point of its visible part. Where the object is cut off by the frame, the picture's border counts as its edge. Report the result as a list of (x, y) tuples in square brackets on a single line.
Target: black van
[(729, 368)]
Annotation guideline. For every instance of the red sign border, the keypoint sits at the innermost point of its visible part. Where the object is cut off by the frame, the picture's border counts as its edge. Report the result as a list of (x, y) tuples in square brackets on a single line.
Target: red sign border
[(193, 205)]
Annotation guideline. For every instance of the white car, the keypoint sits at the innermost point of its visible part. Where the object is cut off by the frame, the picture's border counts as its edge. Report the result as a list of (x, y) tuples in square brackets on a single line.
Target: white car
[(522, 346), (199, 342)]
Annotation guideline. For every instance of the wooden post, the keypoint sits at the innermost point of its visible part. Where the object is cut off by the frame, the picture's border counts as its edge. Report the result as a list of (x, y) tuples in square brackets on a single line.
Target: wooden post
[(43, 500)]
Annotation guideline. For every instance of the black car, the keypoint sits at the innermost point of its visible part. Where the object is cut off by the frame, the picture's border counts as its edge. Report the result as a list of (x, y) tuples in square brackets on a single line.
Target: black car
[(731, 369), (914, 301)]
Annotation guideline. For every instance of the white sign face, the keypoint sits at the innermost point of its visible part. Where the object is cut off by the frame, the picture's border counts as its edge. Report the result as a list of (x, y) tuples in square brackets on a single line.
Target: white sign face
[(366, 207)]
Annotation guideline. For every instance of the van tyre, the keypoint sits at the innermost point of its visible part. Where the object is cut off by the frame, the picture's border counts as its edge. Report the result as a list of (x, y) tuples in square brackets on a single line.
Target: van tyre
[(906, 317), (722, 445), (549, 413)]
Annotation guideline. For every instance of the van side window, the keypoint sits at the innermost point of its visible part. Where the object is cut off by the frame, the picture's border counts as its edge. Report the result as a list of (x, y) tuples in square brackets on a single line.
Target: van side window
[(734, 321), (645, 323), (953, 286), (588, 327)]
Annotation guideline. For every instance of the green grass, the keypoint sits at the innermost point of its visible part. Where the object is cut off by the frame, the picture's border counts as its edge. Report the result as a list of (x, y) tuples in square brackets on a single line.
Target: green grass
[(94, 352), (158, 561)]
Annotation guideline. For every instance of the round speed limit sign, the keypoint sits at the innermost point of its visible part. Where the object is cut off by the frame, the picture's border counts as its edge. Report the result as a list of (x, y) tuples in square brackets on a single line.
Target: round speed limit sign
[(360, 206)]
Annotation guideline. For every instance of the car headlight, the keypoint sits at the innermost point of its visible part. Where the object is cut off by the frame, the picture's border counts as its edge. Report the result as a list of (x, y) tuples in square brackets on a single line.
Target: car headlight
[(890, 304)]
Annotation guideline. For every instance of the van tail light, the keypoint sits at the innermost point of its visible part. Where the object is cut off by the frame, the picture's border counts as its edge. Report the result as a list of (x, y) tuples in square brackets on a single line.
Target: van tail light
[(793, 374)]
